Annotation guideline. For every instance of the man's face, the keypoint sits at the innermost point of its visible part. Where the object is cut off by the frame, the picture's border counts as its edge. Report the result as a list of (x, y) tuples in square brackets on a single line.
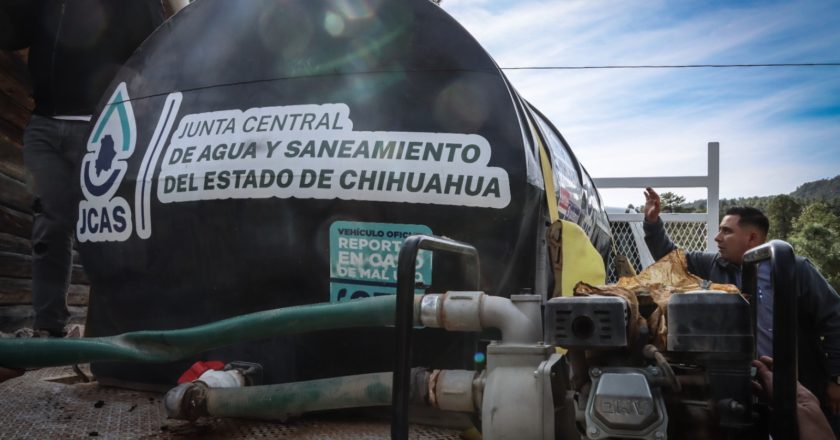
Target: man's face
[(733, 240)]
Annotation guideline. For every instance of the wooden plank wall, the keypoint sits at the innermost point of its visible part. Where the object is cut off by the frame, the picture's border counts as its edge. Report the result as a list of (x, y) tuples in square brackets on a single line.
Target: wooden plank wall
[(16, 204)]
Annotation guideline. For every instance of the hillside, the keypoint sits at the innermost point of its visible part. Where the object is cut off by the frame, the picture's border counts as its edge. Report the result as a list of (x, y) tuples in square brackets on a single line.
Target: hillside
[(808, 219), (823, 190), (826, 190)]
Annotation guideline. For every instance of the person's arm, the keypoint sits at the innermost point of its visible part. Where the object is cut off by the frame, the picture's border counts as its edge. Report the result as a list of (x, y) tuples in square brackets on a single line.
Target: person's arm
[(660, 245), (822, 303), (17, 19), (658, 242), (812, 422)]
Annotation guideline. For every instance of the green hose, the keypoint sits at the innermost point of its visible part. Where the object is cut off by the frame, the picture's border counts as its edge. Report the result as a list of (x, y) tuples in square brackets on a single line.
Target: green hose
[(278, 402), (172, 345)]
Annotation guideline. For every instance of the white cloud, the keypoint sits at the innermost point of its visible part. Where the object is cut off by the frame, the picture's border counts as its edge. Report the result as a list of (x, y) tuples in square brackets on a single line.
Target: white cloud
[(658, 121)]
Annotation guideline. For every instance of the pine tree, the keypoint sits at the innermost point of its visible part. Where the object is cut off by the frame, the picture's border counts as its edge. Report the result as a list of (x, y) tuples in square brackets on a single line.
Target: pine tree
[(671, 202), (782, 211), (816, 236)]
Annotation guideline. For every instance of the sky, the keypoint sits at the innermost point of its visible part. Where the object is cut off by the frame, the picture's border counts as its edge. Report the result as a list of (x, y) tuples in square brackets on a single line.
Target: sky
[(778, 127)]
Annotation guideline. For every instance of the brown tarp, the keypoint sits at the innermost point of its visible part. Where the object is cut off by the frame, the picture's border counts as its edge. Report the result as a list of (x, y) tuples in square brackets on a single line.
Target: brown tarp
[(668, 276)]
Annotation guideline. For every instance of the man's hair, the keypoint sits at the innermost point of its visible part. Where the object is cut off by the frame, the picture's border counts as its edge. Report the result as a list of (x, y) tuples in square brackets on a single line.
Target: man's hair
[(749, 216)]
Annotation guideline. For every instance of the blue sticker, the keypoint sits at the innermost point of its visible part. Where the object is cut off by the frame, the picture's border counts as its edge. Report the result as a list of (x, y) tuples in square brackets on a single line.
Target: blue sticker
[(363, 259)]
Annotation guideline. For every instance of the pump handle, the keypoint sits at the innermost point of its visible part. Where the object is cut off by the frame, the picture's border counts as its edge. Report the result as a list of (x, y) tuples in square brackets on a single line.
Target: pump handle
[(406, 268), (784, 423)]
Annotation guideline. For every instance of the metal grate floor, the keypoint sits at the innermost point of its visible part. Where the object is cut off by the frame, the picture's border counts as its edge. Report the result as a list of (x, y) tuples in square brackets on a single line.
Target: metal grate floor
[(53, 404)]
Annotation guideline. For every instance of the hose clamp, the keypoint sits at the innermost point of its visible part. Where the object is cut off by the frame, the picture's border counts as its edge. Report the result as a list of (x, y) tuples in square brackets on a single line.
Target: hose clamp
[(430, 310)]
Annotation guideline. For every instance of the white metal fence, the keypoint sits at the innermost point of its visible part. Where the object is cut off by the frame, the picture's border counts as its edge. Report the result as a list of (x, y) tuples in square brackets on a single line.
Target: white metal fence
[(691, 232), (688, 231)]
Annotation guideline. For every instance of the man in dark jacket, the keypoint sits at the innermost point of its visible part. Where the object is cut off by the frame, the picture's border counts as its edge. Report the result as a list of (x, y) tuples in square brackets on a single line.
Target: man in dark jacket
[(742, 229), (75, 49)]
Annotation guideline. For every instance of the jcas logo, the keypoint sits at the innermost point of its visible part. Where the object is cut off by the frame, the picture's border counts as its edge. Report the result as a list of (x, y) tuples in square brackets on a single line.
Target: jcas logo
[(103, 217)]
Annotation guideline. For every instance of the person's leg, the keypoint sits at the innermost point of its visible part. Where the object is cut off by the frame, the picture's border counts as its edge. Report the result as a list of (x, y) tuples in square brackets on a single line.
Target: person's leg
[(51, 152)]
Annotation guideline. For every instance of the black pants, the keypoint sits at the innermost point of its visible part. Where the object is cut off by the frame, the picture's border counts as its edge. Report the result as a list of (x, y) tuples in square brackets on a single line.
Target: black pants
[(52, 153)]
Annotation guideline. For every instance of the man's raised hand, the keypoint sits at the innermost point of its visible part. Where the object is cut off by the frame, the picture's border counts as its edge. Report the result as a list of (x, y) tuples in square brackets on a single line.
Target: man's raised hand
[(652, 205)]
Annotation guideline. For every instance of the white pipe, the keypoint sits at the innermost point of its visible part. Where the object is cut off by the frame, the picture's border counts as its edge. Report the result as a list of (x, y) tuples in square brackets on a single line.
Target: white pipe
[(519, 320), (516, 325)]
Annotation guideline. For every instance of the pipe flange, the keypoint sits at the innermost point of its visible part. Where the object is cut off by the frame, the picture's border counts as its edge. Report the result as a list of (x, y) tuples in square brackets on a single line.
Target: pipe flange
[(433, 378)]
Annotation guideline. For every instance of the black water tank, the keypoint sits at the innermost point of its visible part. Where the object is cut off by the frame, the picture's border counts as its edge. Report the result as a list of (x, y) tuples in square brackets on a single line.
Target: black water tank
[(263, 154)]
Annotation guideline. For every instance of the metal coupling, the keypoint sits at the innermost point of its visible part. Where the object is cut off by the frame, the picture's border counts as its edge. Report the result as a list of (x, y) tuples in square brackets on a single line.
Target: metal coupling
[(455, 390), (187, 401), (431, 307), (454, 311)]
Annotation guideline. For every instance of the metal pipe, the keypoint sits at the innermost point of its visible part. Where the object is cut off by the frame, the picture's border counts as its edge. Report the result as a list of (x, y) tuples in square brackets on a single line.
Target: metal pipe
[(785, 351), (405, 316), (172, 345), (651, 352)]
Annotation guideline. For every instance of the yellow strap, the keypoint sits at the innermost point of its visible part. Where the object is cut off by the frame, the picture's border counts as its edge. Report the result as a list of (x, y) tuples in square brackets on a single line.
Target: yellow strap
[(548, 177), (582, 262), (578, 259)]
